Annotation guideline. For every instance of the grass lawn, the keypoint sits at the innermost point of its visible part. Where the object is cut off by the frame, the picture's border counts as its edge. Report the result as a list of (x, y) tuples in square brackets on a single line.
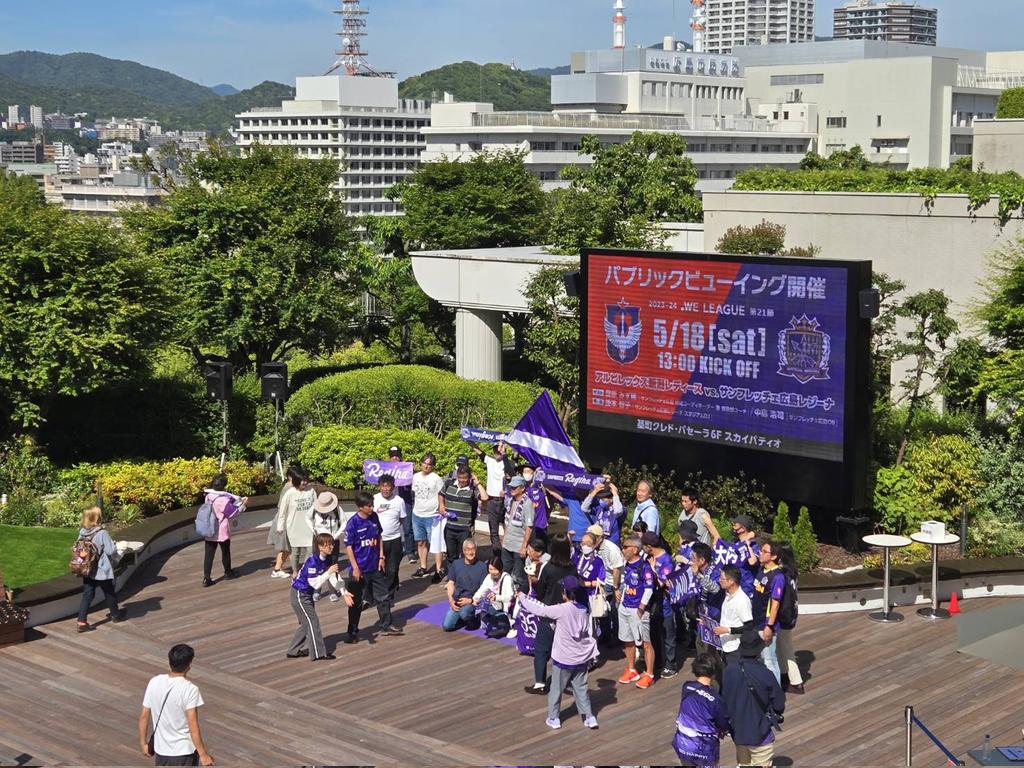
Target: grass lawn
[(29, 555)]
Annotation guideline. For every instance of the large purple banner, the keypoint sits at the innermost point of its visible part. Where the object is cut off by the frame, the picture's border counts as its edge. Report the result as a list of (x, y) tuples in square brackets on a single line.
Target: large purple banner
[(402, 471), (742, 354)]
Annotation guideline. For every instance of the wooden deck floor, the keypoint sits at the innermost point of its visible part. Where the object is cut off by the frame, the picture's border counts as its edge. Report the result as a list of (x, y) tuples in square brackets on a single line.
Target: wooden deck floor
[(430, 698)]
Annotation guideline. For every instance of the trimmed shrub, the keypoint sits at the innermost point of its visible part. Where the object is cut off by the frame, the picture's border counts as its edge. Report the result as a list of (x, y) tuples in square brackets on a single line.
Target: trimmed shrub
[(805, 543), (336, 454), (157, 487), (782, 527), (1011, 104), (899, 503), (404, 397), (728, 496)]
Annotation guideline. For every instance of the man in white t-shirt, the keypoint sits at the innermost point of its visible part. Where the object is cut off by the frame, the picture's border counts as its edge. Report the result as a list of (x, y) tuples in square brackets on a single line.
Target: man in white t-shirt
[(737, 614), (426, 503), (173, 703), (390, 509), (498, 468)]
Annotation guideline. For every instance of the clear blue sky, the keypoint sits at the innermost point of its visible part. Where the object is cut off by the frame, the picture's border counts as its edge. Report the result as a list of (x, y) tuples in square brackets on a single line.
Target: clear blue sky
[(243, 42)]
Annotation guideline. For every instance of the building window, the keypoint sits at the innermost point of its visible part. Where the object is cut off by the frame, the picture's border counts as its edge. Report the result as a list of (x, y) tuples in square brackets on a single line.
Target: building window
[(835, 122), (809, 79), (879, 121)]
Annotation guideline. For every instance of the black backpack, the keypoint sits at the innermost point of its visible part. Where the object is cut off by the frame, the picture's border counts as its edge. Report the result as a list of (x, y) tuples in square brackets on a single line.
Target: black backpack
[(788, 608)]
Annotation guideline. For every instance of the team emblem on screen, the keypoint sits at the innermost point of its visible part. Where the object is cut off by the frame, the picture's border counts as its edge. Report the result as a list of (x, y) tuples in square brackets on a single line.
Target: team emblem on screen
[(804, 350), (622, 328)]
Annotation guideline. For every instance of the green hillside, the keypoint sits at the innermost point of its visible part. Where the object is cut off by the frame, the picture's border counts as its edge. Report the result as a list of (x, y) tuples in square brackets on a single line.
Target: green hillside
[(506, 88), (85, 71), (213, 114)]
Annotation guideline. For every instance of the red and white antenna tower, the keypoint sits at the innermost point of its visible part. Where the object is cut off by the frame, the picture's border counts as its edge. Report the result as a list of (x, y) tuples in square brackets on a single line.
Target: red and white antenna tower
[(351, 55), (619, 25)]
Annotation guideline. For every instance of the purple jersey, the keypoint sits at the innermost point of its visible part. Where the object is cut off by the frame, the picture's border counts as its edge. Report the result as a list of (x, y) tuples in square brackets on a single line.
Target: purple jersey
[(663, 568), (604, 515), (540, 505), (363, 535), (314, 567), (589, 567), (702, 717), (637, 578), (769, 585), (736, 553)]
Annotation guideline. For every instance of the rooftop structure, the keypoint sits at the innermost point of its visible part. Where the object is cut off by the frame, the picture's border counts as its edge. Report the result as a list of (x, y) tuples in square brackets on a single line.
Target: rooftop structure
[(351, 56), (888, 20), (619, 26)]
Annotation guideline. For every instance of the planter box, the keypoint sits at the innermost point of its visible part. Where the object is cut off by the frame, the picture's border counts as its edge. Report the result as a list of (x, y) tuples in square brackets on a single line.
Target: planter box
[(12, 624)]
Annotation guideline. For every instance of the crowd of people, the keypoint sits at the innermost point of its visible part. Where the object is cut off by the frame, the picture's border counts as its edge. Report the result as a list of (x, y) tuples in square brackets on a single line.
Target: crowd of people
[(730, 604)]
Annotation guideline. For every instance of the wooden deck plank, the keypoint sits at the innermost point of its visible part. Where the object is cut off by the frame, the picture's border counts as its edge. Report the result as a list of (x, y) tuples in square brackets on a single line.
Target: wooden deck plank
[(431, 698)]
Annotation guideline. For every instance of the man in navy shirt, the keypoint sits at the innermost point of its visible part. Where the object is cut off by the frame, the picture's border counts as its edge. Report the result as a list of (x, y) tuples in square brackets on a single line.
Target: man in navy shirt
[(749, 691), (464, 578), (365, 550)]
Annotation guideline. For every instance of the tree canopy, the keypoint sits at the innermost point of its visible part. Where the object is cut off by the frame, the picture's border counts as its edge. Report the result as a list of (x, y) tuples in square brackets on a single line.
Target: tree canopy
[(615, 200), (259, 251), (79, 304), (488, 201)]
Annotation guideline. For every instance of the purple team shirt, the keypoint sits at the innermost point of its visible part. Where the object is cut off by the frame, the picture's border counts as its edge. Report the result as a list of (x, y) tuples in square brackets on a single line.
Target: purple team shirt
[(636, 579), (363, 535), (540, 505)]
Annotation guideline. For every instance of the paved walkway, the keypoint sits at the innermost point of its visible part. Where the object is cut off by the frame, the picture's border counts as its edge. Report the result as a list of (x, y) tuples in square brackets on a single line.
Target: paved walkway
[(451, 699)]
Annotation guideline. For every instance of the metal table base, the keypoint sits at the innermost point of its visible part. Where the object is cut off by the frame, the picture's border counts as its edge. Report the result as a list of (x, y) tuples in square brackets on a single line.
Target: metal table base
[(886, 615), (933, 613)]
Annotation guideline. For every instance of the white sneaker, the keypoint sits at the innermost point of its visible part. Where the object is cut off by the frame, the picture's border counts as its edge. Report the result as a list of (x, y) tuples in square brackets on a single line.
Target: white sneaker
[(279, 574), (591, 722), (553, 724)]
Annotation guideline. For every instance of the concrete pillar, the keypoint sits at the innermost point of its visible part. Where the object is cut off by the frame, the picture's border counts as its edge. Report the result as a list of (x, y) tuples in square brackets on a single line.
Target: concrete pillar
[(478, 344)]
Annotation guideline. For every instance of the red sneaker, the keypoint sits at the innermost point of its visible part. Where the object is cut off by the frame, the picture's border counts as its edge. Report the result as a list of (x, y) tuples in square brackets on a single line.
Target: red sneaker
[(646, 681), (629, 676)]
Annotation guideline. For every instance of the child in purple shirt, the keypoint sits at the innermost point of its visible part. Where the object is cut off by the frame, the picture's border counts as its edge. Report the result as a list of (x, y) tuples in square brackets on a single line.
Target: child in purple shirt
[(702, 719)]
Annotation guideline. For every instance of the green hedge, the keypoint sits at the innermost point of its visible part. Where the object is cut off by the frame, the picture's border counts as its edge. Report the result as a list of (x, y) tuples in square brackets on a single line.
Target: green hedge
[(404, 397), (335, 454), (1011, 104)]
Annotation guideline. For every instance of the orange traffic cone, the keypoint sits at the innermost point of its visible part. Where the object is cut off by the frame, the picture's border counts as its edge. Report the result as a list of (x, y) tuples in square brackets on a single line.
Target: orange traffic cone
[(954, 605)]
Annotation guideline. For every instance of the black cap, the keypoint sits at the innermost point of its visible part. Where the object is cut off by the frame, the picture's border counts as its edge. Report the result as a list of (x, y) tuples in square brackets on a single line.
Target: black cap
[(688, 529), (745, 520), (460, 460)]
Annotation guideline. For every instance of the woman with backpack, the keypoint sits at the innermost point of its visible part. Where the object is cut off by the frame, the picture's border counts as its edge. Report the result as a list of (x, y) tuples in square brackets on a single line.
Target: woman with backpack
[(225, 507), (94, 556), (788, 611), (493, 599)]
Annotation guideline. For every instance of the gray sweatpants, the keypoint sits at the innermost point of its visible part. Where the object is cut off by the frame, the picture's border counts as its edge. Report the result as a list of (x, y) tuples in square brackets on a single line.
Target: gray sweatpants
[(560, 678), (309, 627), (299, 556)]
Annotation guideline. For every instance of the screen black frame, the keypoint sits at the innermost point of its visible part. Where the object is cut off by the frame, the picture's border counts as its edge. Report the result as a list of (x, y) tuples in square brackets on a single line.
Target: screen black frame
[(841, 486)]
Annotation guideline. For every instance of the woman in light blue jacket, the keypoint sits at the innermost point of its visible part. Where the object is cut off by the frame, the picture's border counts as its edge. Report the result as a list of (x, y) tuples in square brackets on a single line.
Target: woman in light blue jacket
[(103, 576)]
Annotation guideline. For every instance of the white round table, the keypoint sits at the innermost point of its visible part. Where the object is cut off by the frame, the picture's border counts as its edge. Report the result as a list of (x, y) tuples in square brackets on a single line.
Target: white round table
[(886, 543), (934, 612)]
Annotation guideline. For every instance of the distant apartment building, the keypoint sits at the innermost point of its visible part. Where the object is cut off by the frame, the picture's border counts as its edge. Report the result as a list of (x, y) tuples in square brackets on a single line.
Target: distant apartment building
[(611, 94), (731, 23), (900, 22), (65, 158), (13, 115), (21, 152), (115, 131), (35, 116), (59, 122), (907, 105), (356, 119), (104, 193)]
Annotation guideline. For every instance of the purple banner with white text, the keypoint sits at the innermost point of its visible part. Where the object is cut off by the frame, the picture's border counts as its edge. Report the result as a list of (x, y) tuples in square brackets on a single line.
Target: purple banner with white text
[(402, 471)]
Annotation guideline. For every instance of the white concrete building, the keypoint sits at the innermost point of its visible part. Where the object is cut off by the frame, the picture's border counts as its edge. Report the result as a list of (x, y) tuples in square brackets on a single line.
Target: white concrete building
[(900, 22), (730, 23), (358, 120), (612, 94), (104, 195), (65, 158), (909, 105), (13, 115), (999, 145), (35, 116)]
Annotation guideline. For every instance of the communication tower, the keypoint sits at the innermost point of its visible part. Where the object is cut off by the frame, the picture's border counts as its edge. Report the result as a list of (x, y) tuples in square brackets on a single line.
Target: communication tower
[(698, 23), (351, 55), (619, 25)]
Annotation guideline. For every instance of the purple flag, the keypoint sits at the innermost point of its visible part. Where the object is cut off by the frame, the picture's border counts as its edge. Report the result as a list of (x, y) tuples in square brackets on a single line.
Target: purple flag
[(402, 471), (541, 440)]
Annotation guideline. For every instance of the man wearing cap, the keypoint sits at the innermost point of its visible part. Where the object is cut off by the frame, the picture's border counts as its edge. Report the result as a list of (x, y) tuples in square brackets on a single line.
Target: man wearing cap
[(603, 507), (613, 561), (662, 609), (498, 470), (634, 615), (391, 513), (742, 551), (645, 516), (518, 530), (753, 697), (404, 492), (535, 491)]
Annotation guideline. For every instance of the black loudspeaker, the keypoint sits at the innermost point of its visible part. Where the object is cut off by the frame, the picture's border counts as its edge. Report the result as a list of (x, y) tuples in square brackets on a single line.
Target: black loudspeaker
[(572, 283), (218, 380), (274, 381), (869, 302)]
